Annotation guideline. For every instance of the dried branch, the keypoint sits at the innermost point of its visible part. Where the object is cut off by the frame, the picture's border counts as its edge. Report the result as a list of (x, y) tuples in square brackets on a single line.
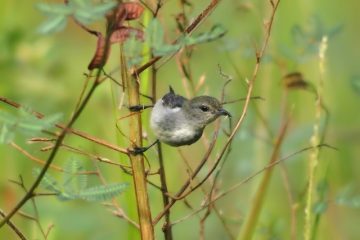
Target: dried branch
[(13, 227), (247, 179), (204, 14), (54, 151), (137, 160), (259, 56), (35, 159), (71, 130)]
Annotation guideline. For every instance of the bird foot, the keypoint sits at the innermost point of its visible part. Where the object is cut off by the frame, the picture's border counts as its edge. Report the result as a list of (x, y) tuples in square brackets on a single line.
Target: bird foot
[(141, 150), (138, 108), (138, 150)]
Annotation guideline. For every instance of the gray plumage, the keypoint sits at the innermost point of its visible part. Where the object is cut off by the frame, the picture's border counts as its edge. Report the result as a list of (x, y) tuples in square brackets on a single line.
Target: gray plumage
[(178, 121)]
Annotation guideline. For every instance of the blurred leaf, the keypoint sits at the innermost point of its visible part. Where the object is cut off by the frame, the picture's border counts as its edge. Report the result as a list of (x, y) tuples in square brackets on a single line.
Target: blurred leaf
[(6, 135), (349, 198), (74, 185), (84, 11), (7, 118), (155, 34), (80, 3), (73, 181), (320, 207), (355, 83), (132, 47), (102, 9), (307, 38), (166, 49), (54, 24), (217, 31), (47, 182), (55, 9), (103, 192), (322, 187), (91, 13), (155, 38), (26, 123), (85, 16)]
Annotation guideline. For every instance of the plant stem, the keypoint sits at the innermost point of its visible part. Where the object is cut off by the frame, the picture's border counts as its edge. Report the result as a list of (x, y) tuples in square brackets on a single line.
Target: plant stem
[(137, 161), (249, 226), (53, 153), (167, 228)]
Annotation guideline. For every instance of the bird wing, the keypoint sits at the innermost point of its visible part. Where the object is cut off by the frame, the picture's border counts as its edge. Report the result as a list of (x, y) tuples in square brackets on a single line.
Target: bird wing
[(172, 100)]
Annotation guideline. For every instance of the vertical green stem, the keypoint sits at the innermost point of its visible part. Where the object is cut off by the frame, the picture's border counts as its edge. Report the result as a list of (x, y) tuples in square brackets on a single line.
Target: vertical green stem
[(315, 141), (251, 222), (137, 161), (167, 225)]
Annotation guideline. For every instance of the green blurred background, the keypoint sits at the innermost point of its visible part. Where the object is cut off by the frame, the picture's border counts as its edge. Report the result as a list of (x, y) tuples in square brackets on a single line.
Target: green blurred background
[(45, 72)]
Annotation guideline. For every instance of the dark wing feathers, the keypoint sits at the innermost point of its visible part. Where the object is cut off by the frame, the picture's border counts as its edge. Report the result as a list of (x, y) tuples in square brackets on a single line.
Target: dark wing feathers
[(172, 100)]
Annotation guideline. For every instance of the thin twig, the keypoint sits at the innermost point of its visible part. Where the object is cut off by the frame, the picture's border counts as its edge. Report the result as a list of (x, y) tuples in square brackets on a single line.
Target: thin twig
[(137, 160), (57, 145), (164, 189), (196, 22), (35, 159), (13, 227), (242, 117), (71, 130), (246, 180)]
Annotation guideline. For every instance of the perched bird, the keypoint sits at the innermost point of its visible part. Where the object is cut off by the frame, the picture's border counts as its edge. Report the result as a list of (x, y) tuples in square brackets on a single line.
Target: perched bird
[(178, 121)]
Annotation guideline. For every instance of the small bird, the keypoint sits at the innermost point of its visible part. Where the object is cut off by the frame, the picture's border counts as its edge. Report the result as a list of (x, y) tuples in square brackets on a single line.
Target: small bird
[(178, 121)]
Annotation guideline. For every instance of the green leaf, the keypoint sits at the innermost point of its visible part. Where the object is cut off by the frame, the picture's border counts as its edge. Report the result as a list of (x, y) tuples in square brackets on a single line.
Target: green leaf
[(26, 123), (47, 181), (30, 125), (155, 38), (74, 182), (320, 207), (89, 14), (80, 3), (55, 24), (102, 9), (6, 135), (84, 16), (66, 196), (103, 192), (348, 197), (217, 31), (166, 49), (55, 9), (133, 50), (155, 34)]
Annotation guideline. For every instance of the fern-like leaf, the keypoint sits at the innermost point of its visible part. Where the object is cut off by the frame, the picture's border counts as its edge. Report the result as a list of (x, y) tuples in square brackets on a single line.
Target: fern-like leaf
[(103, 192), (47, 181)]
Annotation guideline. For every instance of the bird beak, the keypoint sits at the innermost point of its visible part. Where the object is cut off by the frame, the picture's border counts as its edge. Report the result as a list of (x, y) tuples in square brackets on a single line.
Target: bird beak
[(224, 112)]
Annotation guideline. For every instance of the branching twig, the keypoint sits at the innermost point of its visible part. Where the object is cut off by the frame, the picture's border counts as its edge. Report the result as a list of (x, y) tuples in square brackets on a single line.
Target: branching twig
[(13, 227), (205, 13), (71, 130), (246, 180), (241, 119), (57, 145)]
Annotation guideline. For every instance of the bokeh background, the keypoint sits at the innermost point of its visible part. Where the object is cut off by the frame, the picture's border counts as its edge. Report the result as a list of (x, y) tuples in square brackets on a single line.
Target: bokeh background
[(45, 72)]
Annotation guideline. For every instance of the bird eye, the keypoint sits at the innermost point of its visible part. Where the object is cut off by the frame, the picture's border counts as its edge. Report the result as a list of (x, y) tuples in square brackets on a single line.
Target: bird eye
[(204, 108)]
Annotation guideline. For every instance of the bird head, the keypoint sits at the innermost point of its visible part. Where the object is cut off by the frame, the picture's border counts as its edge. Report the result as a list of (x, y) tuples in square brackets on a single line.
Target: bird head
[(203, 110)]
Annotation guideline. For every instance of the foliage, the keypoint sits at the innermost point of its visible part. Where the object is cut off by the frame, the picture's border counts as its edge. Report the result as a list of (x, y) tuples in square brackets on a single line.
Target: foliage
[(74, 185), (24, 122), (307, 37), (290, 62), (83, 11)]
